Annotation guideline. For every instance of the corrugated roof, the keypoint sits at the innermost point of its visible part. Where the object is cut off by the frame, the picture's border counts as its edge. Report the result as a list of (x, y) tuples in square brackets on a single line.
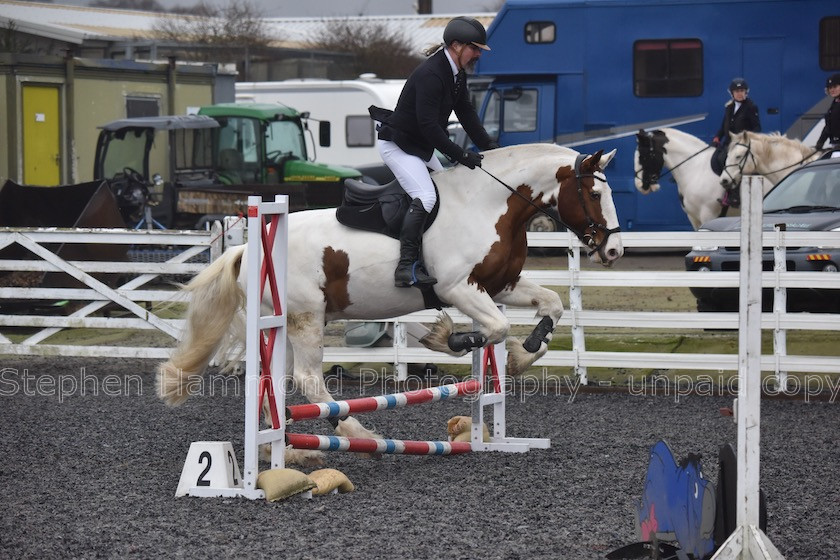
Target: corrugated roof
[(75, 24), (419, 30)]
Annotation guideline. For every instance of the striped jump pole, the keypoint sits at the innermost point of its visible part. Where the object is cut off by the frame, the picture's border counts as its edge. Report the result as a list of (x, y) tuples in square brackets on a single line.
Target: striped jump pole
[(336, 409), (385, 446)]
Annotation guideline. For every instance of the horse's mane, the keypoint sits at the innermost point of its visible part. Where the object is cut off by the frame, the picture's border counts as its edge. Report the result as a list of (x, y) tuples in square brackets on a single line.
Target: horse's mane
[(685, 136), (762, 145), (536, 150), (540, 148)]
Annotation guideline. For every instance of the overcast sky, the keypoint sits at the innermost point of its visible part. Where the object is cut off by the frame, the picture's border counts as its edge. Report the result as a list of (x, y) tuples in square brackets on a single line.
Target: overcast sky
[(325, 8)]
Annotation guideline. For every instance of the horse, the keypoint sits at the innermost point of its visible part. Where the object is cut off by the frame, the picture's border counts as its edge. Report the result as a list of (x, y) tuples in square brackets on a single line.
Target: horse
[(476, 248), (771, 155), (689, 160)]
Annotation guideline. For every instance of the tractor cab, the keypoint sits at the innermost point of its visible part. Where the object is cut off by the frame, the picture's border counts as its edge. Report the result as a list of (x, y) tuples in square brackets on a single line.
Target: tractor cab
[(142, 168)]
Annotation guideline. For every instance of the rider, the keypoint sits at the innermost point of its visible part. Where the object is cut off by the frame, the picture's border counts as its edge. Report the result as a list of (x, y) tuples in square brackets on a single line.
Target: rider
[(740, 114), (831, 131), (409, 135)]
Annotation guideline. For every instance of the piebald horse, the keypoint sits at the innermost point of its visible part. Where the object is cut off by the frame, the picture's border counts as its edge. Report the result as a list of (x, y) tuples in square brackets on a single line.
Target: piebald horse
[(476, 248), (771, 155), (689, 160)]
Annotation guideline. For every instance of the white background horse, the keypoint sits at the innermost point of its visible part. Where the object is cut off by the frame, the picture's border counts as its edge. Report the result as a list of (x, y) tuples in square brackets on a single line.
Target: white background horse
[(771, 155), (689, 160), (475, 248)]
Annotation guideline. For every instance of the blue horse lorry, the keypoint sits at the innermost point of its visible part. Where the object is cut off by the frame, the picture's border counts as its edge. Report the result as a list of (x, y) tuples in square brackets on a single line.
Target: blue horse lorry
[(589, 74)]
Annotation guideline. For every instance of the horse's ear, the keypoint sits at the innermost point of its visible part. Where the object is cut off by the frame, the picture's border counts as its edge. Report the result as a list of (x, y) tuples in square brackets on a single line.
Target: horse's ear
[(592, 161), (733, 136), (606, 159)]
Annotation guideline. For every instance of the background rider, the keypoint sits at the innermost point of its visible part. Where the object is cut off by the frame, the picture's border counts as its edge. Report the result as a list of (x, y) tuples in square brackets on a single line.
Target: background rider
[(740, 114), (831, 131)]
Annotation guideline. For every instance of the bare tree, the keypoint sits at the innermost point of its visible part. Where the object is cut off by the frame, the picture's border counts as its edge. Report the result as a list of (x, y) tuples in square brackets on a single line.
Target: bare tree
[(374, 48), (224, 34), (11, 40)]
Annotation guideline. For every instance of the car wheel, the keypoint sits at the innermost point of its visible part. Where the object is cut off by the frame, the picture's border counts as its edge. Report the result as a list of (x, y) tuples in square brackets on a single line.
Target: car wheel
[(544, 223)]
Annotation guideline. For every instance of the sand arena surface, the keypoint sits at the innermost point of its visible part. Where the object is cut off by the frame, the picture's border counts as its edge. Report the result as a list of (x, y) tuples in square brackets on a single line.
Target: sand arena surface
[(92, 472)]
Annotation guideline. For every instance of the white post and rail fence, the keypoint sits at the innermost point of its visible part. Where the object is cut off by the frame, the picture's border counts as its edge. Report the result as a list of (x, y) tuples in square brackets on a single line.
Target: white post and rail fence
[(145, 304)]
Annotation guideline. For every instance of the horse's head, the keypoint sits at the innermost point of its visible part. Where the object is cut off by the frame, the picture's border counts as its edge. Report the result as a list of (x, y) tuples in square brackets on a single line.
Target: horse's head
[(740, 160), (586, 207), (649, 159)]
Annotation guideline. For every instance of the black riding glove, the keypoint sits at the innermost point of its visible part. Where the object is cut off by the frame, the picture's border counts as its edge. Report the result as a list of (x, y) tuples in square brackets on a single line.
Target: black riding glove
[(470, 159)]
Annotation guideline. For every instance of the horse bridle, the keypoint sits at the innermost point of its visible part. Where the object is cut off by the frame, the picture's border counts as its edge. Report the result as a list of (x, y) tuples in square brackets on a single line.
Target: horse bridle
[(743, 162), (587, 235), (648, 162), (654, 176)]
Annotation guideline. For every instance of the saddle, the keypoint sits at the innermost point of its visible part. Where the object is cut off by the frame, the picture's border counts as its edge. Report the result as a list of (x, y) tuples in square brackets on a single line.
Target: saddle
[(718, 161), (381, 209), (377, 208)]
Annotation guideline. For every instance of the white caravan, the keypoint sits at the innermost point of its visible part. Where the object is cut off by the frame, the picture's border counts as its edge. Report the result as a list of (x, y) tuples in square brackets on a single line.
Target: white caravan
[(342, 103)]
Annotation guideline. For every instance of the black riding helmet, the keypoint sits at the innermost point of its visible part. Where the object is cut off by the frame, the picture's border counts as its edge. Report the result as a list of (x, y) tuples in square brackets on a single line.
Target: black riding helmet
[(465, 30), (738, 83), (832, 80)]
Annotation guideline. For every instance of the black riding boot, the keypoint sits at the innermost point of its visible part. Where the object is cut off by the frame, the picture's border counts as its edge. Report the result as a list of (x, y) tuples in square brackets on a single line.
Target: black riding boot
[(410, 270)]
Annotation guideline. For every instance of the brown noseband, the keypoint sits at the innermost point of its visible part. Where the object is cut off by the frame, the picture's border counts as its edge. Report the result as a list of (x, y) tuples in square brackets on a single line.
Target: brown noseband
[(588, 234)]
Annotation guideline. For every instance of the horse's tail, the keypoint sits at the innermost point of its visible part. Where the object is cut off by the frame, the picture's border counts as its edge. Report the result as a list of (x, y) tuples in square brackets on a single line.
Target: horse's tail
[(217, 298)]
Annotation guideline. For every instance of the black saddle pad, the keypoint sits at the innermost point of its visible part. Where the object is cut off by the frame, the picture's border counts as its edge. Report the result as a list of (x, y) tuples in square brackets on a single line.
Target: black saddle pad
[(376, 208)]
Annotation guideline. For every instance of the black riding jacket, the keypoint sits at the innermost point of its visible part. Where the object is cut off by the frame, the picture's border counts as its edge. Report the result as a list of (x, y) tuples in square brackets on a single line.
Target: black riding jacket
[(831, 131), (418, 124), (745, 119)]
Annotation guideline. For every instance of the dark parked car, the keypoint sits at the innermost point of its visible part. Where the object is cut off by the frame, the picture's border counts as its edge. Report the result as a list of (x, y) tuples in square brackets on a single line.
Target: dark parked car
[(808, 199)]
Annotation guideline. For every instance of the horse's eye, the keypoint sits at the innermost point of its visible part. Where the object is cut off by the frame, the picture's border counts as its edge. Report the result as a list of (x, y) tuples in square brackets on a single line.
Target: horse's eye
[(595, 195)]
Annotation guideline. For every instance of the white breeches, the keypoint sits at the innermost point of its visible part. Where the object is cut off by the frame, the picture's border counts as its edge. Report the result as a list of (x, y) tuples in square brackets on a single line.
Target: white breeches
[(411, 171)]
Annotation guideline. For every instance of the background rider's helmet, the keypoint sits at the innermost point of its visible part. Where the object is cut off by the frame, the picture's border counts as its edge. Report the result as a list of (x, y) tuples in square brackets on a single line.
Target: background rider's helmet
[(465, 30), (832, 80), (738, 83)]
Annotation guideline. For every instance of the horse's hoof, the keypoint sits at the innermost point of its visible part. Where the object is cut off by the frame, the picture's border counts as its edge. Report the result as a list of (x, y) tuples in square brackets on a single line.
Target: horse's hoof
[(304, 457)]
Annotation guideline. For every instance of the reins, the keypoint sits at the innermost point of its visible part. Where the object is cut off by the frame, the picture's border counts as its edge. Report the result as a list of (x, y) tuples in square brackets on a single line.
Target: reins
[(671, 169), (692, 156), (591, 226)]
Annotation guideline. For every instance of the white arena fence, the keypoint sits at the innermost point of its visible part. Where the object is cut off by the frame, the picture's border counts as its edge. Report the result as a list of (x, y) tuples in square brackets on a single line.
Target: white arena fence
[(176, 248), (579, 316)]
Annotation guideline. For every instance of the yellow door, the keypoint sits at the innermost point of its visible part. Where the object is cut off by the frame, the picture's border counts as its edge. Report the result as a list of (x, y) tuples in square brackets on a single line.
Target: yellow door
[(41, 136)]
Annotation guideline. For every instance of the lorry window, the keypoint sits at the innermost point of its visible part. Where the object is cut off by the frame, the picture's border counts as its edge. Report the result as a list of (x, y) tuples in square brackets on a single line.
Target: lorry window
[(285, 137), (539, 32), (477, 95), (359, 131), (520, 114), (830, 43), (491, 115), (668, 68)]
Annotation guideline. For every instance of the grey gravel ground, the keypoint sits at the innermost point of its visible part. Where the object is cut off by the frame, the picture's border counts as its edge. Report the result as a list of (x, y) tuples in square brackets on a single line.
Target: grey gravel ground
[(93, 475)]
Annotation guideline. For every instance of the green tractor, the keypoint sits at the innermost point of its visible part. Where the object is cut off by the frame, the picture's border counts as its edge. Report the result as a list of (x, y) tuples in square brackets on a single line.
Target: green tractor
[(213, 162)]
